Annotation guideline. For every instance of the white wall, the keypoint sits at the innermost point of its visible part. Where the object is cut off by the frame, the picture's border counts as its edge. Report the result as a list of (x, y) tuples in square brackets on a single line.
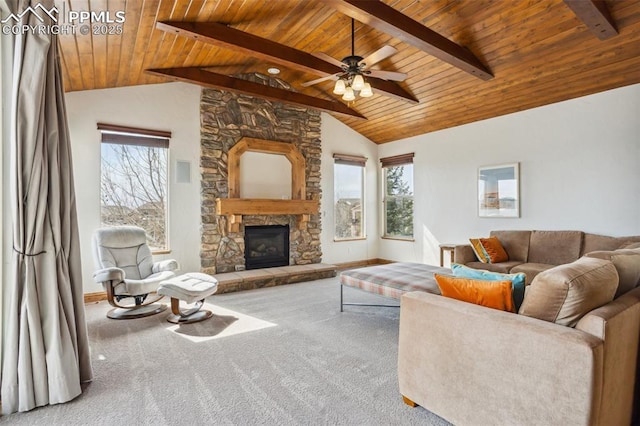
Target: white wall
[(339, 138), (579, 169), (173, 107)]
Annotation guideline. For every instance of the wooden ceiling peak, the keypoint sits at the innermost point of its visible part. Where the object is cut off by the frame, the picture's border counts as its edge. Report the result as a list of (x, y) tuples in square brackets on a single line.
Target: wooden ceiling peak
[(386, 19), (539, 52), (595, 14), (268, 50), (213, 80)]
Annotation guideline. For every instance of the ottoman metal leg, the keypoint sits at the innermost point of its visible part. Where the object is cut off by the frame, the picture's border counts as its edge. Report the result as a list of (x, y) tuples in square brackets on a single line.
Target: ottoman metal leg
[(187, 316)]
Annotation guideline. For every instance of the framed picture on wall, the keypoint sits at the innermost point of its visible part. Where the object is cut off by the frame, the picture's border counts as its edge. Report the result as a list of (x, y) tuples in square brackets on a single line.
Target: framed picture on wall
[(499, 190)]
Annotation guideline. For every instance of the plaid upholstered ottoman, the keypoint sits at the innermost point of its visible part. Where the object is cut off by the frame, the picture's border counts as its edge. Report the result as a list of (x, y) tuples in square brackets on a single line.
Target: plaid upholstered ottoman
[(391, 280)]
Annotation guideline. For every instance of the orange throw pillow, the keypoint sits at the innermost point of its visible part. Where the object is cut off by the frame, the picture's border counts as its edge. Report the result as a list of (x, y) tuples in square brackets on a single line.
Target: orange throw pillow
[(494, 250), (492, 294), (481, 254)]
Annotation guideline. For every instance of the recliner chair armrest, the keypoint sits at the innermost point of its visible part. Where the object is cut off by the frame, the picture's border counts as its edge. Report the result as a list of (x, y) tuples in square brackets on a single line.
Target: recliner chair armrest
[(108, 274), (165, 265)]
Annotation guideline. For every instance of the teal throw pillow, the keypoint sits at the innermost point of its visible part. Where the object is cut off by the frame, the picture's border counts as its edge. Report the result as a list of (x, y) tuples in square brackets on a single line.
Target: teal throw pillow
[(517, 280)]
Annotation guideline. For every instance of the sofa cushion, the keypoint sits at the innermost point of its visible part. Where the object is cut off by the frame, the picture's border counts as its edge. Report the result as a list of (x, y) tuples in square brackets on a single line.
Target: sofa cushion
[(494, 250), (554, 247), (478, 250), (492, 294), (627, 263), (502, 267), (567, 292), (531, 270), (594, 242), (515, 243), (517, 280)]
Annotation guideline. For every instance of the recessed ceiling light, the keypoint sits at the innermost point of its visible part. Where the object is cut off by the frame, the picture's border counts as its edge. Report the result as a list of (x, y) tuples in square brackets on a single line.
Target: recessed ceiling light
[(273, 70)]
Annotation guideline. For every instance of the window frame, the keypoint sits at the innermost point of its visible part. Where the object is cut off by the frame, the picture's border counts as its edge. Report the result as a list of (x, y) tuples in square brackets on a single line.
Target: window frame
[(130, 136), (386, 163), (354, 161)]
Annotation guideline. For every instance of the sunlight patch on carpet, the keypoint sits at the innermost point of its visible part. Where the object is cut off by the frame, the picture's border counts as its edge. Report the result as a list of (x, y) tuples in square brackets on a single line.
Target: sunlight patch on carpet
[(223, 323)]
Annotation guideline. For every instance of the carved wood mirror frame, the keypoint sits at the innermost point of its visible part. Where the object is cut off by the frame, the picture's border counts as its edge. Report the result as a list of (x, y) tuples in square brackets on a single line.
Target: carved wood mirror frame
[(298, 164)]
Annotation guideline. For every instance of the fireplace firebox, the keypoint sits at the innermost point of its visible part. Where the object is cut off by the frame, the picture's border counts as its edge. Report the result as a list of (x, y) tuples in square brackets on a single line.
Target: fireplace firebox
[(266, 246)]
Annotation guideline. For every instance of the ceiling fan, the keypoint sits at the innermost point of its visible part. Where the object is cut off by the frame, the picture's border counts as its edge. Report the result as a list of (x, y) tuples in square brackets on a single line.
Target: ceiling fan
[(354, 68)]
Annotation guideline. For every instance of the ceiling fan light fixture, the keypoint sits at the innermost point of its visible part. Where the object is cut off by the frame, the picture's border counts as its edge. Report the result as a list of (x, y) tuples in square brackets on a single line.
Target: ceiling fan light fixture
[(339, 88), (366, 91), (358, 82), (349, 95)]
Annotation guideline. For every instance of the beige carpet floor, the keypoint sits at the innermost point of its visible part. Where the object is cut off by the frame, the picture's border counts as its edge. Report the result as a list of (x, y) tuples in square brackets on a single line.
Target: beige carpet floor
[(276, 356)]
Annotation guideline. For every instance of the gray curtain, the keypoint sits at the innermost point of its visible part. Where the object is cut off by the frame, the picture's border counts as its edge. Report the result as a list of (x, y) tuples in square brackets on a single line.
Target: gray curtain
[(45, 351)]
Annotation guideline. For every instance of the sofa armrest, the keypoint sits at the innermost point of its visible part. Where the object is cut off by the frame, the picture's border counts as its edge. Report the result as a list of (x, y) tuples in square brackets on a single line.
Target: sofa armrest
[(463, 254), (507, 368), (165, 265), (618, 324), (108, 274)]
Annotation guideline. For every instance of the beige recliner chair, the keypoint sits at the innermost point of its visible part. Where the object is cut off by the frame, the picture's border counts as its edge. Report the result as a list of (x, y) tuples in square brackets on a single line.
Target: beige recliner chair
[(126, 270)]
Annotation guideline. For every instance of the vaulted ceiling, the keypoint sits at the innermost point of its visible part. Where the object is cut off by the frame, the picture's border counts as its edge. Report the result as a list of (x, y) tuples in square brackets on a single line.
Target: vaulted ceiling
[(528, 52)]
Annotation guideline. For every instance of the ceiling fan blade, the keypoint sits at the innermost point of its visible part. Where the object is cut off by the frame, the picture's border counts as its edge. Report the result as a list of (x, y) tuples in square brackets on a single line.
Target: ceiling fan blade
[(388, 75), (377, 56), (329, 59), (321, 79)]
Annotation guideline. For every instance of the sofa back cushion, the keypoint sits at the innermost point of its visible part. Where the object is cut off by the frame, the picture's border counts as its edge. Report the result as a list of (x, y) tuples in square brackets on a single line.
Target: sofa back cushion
[(594, 242), (566, 293), (554, 247), (627, 263), (515, 243)]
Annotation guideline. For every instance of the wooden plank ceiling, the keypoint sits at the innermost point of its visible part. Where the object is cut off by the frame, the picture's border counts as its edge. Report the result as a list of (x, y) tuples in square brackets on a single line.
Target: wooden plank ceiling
[(538, 51)]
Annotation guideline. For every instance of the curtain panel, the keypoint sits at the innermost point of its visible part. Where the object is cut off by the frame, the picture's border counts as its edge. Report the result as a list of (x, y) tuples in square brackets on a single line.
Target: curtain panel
[(45, 350)]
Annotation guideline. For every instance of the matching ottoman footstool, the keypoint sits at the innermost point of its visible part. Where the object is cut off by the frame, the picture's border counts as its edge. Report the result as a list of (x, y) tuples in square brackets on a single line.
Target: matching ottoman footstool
[(191, 287)]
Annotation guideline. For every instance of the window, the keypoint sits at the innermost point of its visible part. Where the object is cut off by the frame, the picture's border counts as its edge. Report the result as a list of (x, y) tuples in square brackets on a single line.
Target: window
[(133, 184), (398, 196), (348, 178)]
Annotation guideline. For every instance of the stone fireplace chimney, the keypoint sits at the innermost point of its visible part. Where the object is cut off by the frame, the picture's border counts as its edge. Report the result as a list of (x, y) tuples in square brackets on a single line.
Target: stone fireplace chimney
[(226, 118)]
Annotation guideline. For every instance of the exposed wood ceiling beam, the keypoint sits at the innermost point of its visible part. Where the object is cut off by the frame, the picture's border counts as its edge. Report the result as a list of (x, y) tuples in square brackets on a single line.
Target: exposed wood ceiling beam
[(595, 14), (388, 20), (204, 78), (231, 38)]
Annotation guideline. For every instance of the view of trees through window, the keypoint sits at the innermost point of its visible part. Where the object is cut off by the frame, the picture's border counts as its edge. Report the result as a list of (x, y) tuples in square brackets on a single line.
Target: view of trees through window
[(399, 201), (134, 189), (348, 191)]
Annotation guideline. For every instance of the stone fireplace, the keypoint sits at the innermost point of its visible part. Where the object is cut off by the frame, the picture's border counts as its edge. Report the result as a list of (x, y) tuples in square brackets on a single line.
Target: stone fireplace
[(227, 119)]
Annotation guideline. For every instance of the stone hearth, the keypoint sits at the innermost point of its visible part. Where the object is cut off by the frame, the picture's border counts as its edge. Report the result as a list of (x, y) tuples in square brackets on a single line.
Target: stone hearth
[(225, 118)]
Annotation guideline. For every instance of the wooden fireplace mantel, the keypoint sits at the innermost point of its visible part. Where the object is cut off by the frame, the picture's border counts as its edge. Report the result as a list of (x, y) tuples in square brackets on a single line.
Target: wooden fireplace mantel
[(234, 206)]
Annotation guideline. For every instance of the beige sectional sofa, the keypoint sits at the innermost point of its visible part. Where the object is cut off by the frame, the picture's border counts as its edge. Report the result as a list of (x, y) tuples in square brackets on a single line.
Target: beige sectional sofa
[(549, 364), (532, 252)]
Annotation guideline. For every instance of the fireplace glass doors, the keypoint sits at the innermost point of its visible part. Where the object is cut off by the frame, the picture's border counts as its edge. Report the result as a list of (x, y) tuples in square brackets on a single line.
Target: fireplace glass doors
[(266, 246)]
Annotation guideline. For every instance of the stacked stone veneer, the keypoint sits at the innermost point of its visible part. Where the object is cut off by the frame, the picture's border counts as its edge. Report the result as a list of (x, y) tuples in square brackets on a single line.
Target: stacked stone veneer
[(225, 118)]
